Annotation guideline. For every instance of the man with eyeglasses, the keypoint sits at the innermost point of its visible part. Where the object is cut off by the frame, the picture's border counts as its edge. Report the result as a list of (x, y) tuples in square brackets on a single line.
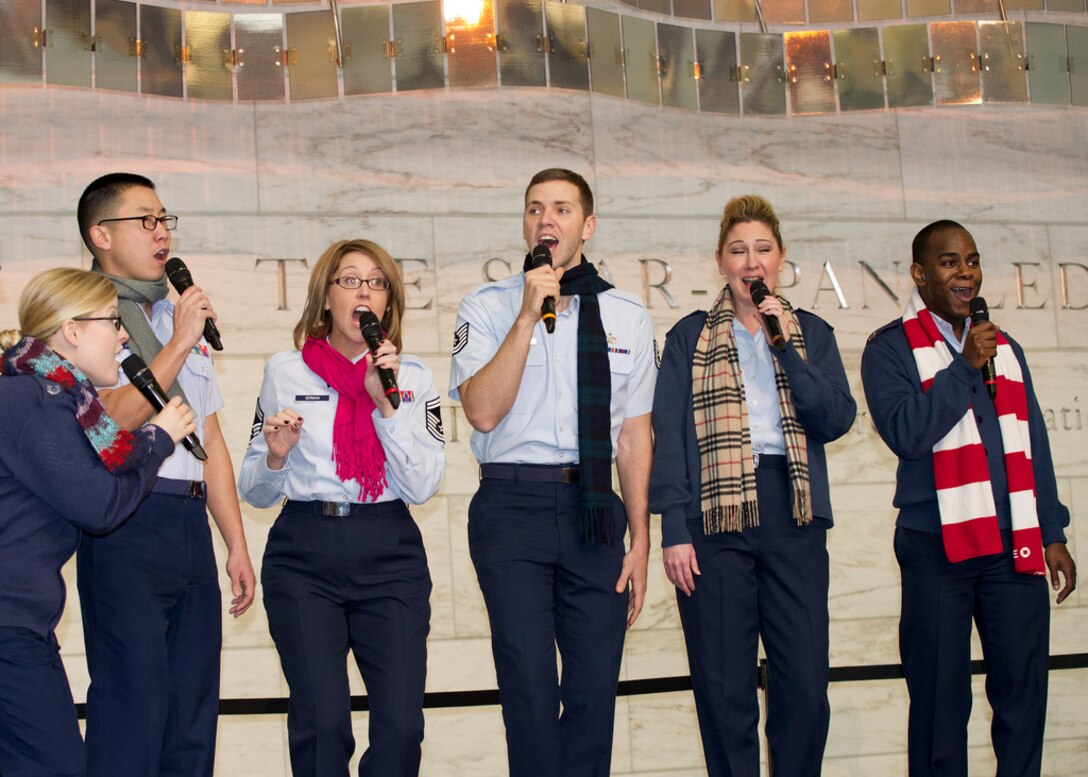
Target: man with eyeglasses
[(149, 591)]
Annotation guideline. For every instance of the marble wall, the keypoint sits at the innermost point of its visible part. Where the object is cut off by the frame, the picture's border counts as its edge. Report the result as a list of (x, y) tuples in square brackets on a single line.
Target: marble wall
[(438, 178)]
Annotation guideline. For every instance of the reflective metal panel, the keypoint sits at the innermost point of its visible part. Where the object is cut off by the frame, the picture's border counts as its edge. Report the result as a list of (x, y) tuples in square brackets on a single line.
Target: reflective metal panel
[(859, 70), (871, 10), (716, 51), (762, 81), (1078, 68), (568, 62), (1023, 5), (809, 67), (311, 55), (160, 70), (691, 9), (907, 65), (823, 11), (1076, 6), (640, 59), (417, 28), (1048, 64), (1001, 57), (976, 6), (521, 36), (470, 38), (928, 8), (783, 11), (207, 73), (68, 42), (955, 63), (115, 45), (676, 49), (735, 10), (657, 6), (605, 52), (367, 66), (258, 40), (20, 41)]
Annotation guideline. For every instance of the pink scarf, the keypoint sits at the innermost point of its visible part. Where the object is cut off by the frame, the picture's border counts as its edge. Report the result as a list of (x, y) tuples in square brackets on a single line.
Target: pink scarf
[(964, 494), (356, 449)]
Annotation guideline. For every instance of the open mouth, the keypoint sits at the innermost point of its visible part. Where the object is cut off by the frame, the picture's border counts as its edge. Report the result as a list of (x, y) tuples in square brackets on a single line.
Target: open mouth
[(965, 293), (549, 240), (161, 255), (357, 314), (750, 279)]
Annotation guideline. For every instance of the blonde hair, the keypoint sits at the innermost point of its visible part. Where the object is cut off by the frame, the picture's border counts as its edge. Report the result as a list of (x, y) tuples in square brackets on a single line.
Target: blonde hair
[(54, 296), (8, 338), (315, 321), (749, 207)]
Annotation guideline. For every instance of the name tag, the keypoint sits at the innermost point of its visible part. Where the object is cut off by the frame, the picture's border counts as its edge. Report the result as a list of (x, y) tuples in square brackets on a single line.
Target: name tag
[(311, 397)]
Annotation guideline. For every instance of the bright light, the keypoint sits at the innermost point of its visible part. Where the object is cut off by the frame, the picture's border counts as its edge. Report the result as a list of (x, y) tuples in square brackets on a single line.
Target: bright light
[(463, 13)]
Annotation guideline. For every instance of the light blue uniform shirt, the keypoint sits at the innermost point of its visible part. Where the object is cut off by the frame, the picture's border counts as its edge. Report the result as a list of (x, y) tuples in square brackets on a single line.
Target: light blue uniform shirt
[(760, 393), (415, 458), (542, 425)]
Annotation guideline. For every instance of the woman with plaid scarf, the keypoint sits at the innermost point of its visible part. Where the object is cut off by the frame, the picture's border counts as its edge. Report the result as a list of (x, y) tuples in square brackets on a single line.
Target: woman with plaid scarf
[(747, 396)]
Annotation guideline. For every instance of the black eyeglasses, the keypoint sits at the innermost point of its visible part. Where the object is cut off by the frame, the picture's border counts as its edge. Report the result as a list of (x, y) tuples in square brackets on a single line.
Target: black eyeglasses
[(115, 319), (354, 282), (150, 222)]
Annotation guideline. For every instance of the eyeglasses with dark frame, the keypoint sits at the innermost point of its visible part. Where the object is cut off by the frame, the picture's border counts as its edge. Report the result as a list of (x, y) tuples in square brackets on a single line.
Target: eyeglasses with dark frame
[(149, 221), (115, 319), (352, 282)]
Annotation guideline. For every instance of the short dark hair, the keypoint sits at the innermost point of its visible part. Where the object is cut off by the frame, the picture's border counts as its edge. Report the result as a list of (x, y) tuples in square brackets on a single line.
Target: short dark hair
[(99, 198), (921, 240), (562, 174)]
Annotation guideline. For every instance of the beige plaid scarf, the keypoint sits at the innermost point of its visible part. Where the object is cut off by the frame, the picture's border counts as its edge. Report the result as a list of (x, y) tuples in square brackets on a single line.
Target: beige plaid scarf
[(721, 426)]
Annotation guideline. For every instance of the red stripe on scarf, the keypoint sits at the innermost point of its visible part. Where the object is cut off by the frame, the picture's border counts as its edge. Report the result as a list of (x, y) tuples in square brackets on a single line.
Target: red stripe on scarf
[(955, 468), (970, 539)]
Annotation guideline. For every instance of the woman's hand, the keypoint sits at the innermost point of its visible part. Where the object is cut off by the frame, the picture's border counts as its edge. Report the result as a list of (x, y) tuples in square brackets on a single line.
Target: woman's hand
[(176, 419), (281, 432), (386, 357), (772, 306), (681, 567)]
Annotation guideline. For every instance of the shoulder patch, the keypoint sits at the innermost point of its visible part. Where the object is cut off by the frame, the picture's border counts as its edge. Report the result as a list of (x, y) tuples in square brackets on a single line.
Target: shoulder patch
[(434, 419), (460, 338), (885, 328), (258, 421)]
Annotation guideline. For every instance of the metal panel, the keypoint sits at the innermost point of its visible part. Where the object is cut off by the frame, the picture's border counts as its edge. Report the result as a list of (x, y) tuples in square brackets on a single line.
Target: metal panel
[(657, 6), (520, 36), (417, 28), (68, 45), (207, 73), (872, 10), (907, 65), (783, 11), (367, 66), (1077, 38), (115, 45), (975, 6), (471, 45), (1076, 6), (20, 44), (809, 66), (858, 68), (1023, 5), (763, 81), (716, 51), (640, 60), (676, 49), (1001, 58), (160, 70), (1048, 64), (311, 55), (568, 62), (735, 10), (691, 9), (824, 11), (258, 40), (917, 8), (955, 63), (605, 52)]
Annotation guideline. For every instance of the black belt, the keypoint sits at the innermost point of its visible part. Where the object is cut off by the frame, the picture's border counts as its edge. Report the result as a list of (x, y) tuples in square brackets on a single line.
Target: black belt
[(192, 489), (343, 509), (532, 473), (771, 461)]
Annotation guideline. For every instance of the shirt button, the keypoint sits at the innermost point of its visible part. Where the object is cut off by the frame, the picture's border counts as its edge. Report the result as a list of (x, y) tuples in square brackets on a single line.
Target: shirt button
[(755, 401), (562, 429)]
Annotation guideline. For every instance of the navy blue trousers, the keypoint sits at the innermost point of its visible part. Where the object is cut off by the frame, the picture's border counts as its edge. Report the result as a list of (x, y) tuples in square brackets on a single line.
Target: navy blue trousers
[(152, 624), (358, 583), (1012, 613), (543, 588), (39, 733), (769, 580)]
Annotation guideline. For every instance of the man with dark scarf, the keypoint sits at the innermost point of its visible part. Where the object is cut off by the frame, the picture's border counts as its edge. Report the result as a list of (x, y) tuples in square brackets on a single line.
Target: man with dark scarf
[(551, 411), (149, 591)]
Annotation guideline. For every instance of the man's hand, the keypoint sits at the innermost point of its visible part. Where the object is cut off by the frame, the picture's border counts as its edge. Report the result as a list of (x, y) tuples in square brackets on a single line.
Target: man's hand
[(190, 312), (1058, 561), (540, 282), (633, 572), (243, 583), (981, 344), (681, 567)]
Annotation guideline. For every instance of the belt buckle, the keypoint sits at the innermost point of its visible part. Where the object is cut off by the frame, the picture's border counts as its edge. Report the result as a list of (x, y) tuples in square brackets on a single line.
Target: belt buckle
[(570, 475), (755, 460), (336, 509), (196, 489)]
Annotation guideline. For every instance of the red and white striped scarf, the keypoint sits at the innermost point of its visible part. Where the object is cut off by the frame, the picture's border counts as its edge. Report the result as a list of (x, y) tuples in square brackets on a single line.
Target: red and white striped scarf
[(964, 494)]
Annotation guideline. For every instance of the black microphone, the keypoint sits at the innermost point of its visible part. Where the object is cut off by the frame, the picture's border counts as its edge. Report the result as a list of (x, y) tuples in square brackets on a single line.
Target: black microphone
[(980, 312), (759, 292), (372, 333), (543, 255), (180, 277), (144, 379)]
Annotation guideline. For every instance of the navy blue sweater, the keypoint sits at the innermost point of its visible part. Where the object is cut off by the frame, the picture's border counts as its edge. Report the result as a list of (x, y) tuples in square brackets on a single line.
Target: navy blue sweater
[(821, 397), (911, 423), (52, 485)]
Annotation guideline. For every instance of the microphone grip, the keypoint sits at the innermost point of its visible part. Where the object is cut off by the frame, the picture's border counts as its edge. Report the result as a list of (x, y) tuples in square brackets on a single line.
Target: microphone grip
[(389, 386), (989, 377), (547, 313), (211, 334), (371, 329), (144, 380)]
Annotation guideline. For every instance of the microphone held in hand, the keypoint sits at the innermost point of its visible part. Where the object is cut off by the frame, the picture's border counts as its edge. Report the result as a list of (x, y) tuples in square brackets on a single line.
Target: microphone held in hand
[(760, 292), (372, 333), (182, 279), (980, 312), (144, 380), (543, 255)]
